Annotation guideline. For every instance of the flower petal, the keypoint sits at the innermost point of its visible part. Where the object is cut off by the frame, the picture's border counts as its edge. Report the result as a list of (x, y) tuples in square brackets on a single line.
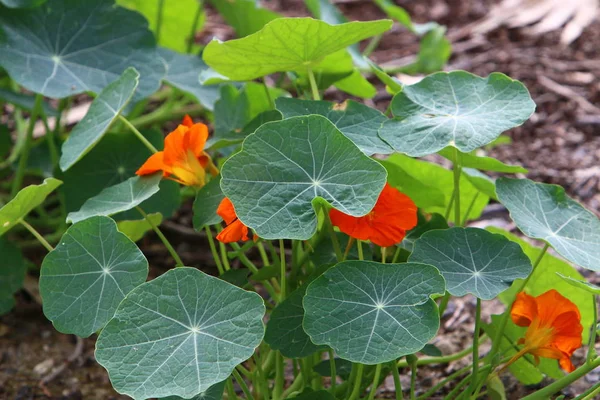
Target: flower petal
[(234, 232), (195, 139), (153, 164), (567, 330), (524, 309), (175, 152), (552, 304), (226, 211), (187, 121)]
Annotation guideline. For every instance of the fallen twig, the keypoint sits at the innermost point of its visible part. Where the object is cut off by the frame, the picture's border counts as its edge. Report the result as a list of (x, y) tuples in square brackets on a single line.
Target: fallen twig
[(59, 369), (568, 93)]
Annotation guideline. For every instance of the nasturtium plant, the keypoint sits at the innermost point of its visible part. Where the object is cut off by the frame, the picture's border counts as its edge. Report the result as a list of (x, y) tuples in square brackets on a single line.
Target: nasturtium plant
[(317, 244)]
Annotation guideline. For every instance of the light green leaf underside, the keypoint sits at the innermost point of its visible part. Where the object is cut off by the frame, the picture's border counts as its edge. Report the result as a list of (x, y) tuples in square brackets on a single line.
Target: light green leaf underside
[(373, 313), (103, 111), (285, 165), (206, 203), (25, 201), (179, 334), (356, 121), (72, 46), (120, 197), (545, 278), (136, 229), (83, 280), (286, 44), (284, 330), (472, 260), (215, 392), (455, 109), (245, 16), (470, 160), (545, 212), (585, 285), (183, 72), (481, 181), (12, 274)]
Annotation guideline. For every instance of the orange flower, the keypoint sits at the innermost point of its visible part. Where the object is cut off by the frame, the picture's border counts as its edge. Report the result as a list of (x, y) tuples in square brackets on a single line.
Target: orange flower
[(235, 229), (386, 225), (183, 159), (554, 327)]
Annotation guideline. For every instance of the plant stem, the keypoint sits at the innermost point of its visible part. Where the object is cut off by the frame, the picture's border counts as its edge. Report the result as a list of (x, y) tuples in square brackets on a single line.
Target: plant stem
[(471, 205), (472, 385), (397, 383), (296, 385), (396, 255), (224, 257), (178, 262), (282, 269), (37, 235), (333, 371), (456, 169), (161, 115), (590, 393), (279, 376), (444, 303), (449, 207), (192, 37), (268, 92), (360, 250), (263, 254), (242, 384), (313, 84), (138, 134), (334, 239), (230, 390), (213, 249), (413, 379), (375, 383), (591, 354), (159, 18), (357, 382), (372, 45), (443, 382), (383, 255), (24, 156)]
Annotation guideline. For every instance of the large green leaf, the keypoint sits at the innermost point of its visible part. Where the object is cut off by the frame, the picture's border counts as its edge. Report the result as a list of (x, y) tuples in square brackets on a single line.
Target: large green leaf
[(245, 16), (285, 165), (72, 46), (26, 102), (179, 334), (373, 313), (176, 21), (286, 44), (25, 201), (113, 160), (12, 274), (356, 121), (206, 203), (472, 260), (482, 163), (83, 280), (284, 330), (455, 109), (103, 111), (545, 212), (545, 278), (120, 197), (585, 285), (183, 72)]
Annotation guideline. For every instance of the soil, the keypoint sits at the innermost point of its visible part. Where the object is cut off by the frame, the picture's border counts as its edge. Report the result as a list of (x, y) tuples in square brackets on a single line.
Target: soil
[(559, 144)]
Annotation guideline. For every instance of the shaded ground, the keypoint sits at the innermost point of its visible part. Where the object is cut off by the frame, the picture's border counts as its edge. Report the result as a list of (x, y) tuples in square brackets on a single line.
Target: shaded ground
[(560, 144)]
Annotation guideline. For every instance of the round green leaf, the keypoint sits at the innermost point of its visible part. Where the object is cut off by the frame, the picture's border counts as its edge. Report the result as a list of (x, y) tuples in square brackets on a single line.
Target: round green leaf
[(26, 200), (83, 280), (285, 165), (179, 334), (545, 212), (206, 203), (284, 330), (120, 197), (472, 260), (455, 109), (373, 313), (286, 44), (103, 111), (12, 274), (72, 46), (356, 121)]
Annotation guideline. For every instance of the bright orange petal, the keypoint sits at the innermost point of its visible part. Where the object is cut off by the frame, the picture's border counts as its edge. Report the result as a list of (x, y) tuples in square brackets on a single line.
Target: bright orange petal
[(396, 208), (567, 332), (234, 232), (187, 121), (153, 164), (552, 304), (175, 152), (195, 139), (524, 309), (566, 364), (226, 211), (356, 227)]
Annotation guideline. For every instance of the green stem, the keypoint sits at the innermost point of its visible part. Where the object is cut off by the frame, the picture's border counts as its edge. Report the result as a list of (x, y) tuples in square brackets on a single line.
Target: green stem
[(372, 45), (230, 390), (444, 303), (591, 354), (213, 249), (396, 255), (178, 262), (472, 385), (37, 235), (333, 371), (449, 207), (24, 156), (456, 169), (138, 134), (563, 382), (334, 239), (397, 383), (469, 209), (224, 257), (279, 376), (295, 386), (50, 141), (360, 250), (159, 18), (268, 92), (317, 381), (313, 84), (162, 115), (444, 359), (589, 394), (443, 382), (413, 380), (375, 383), (263, 254), (282, 268), (242, 384), (357, 382), (192, 37)]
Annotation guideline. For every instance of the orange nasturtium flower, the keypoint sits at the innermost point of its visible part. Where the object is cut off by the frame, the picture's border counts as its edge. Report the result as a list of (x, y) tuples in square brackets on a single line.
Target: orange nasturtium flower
[(235, 230), (386, 225), (554, 327), (183, 159)]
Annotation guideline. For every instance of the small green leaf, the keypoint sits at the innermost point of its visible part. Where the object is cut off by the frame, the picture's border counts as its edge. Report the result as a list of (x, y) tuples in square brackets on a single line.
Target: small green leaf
[(357, 85), (286, 44), (436, 221), (12, 274), (183, 72), (356, 121), (431, 350), (103, 111), (179, 334), (481, 181), (284, 330), (545, 212), (373, 313), (496, 390), (245, 16), (392, 85), (237, 277), (93, 48), (25, 201), (470, 160), (136, 229), (455, 109), (285, 165), (472, 260), (205, 206), (215, 392), (585, 285), (343, 368), (83, 280), (434, 51), (120, 197)]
